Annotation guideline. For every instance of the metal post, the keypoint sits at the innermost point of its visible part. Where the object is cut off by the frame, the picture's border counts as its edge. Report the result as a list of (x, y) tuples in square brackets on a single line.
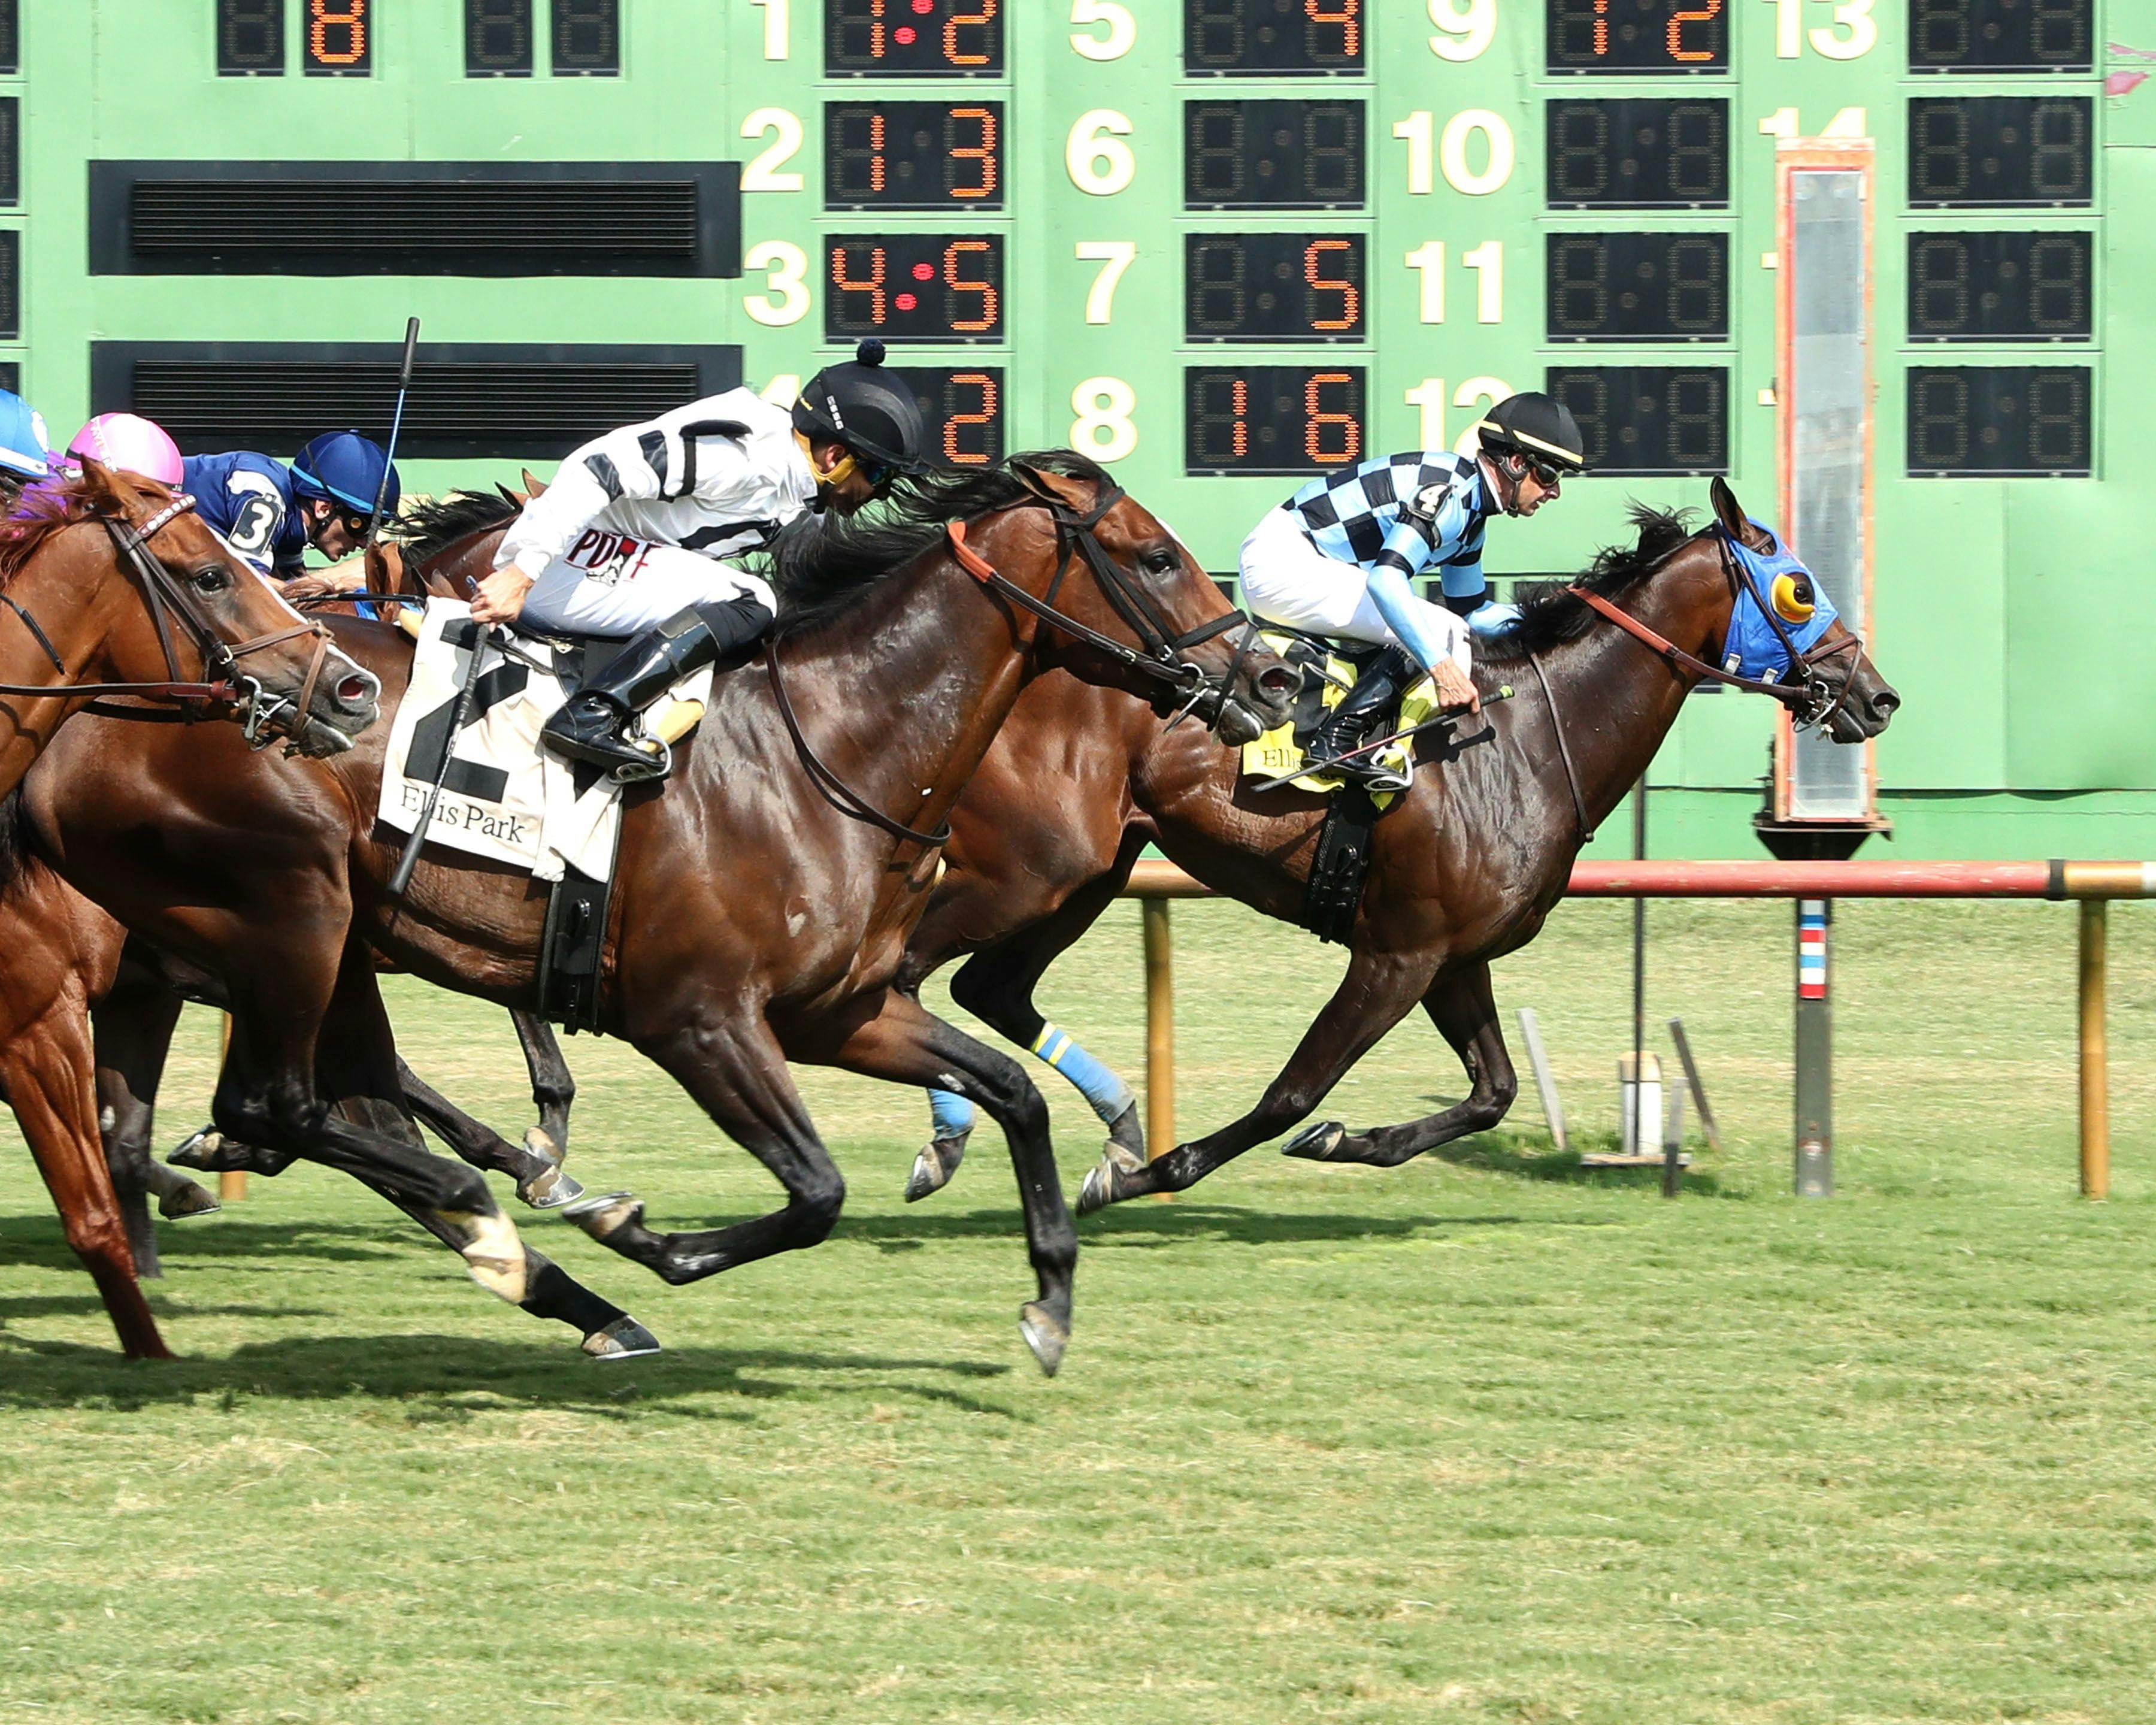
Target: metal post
[(1160, 1029), (1815, 1151), (231, 1188), (1643, 1130), (1706, 1126), (2096, 1075), (1531, 1034)]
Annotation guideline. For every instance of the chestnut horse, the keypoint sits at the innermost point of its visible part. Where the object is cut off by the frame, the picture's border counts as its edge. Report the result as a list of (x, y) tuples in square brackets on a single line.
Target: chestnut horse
[(762, 902), (1080, 781)]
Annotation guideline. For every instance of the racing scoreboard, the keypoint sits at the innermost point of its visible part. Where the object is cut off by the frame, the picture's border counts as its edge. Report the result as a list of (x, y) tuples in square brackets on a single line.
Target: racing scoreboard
[(1218, 244)]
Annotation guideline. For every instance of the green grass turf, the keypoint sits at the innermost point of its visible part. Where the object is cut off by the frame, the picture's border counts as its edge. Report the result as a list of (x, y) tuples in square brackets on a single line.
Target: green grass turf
[(1481, 1438)]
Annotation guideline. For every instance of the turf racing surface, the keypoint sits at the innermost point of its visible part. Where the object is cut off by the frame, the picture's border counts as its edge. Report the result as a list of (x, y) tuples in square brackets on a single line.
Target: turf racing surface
[(1483, 1438)]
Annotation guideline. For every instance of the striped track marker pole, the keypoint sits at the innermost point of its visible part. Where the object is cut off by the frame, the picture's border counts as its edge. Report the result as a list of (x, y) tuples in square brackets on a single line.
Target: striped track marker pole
[(1814, 1051)]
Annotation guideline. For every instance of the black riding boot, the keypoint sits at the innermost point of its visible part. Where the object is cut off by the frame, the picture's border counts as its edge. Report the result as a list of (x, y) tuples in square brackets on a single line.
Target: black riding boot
[(1350, 724), (599, 723)]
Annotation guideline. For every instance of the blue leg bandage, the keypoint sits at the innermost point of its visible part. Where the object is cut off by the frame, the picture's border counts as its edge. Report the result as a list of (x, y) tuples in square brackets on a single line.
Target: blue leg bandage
[(951, 1113), (1108, 1094)]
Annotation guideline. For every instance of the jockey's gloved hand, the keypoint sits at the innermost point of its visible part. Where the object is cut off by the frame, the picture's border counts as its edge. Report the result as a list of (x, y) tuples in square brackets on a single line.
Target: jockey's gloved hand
[(1493, 618)]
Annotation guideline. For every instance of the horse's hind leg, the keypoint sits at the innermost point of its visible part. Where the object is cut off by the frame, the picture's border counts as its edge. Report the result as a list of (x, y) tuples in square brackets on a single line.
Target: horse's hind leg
[(735, 1069), (1372, 997), (997, 985), (540, 1181), (553, 1088), (1461, 1004), (905, 1042)]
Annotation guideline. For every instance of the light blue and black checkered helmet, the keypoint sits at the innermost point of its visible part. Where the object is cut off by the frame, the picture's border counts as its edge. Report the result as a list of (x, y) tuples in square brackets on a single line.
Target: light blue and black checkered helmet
[(25, 453)]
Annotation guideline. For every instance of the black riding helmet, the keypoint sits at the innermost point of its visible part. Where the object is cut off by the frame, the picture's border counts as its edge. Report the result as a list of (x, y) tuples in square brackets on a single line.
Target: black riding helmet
[(858, 403), (1541, 430)]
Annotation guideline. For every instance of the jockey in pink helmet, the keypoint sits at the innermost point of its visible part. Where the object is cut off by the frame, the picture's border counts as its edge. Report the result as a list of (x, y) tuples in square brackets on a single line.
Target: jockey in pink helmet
[(131, 443)]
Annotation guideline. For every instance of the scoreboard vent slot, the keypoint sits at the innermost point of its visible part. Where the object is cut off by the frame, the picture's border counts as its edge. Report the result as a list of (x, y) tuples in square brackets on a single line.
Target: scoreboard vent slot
[(469, 400), (415, 218)]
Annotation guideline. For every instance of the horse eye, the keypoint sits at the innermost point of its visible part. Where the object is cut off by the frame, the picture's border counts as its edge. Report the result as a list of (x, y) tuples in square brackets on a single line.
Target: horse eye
[(213, 579), (1804, 590), (1160, 561)]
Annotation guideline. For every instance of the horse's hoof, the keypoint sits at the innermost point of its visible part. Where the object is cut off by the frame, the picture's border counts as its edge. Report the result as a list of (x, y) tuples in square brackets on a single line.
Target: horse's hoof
[(540, 1143), (624, 1338), (934, 1166), (1317, 1144), (551, 1190), (202, 1150), (1127, 1140), (1046, 1333), (1104, 1185), (188, 1199), (607, 1214)]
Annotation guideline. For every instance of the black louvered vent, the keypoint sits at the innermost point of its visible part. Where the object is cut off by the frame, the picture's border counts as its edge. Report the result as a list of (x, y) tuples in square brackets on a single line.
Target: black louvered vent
[(11, 39), (11, 285), (415, 218), (11, 150), (503, 402)]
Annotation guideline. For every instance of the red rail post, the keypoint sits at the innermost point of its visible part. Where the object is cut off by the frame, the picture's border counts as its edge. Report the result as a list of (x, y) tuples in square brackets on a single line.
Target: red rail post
[(2095, 1053)]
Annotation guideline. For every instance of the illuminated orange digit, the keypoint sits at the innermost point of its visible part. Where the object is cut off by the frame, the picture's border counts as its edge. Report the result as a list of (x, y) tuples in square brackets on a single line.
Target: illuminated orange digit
[(986, 416), (322, 16), (1313, 439), (1346, 14), (1239, 402), (984, 152), (842, 279), (875, 151), (875, 29), (962, 284), (1350, 298), (968, 20), (1678, 20), (1601, 27)]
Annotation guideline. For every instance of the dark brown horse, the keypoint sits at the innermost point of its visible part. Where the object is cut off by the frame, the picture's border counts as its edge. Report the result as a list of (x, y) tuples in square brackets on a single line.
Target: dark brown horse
[(1081, 780), (760, 912)]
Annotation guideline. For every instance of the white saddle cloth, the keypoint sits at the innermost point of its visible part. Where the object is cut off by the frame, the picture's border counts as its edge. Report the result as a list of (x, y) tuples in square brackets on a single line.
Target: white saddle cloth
[(505, 798)]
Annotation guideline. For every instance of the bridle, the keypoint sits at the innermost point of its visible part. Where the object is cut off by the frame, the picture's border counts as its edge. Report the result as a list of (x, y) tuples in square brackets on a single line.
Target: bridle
[(262, 713), (1156, 657), (1814, 702)]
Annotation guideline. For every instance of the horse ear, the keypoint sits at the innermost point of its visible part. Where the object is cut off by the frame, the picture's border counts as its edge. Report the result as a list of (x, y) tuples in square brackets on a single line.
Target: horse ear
[(534, 486), (1730, 513), (102, 487)]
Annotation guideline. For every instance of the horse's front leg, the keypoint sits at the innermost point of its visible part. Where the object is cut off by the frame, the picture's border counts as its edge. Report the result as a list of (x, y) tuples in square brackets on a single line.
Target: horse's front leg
[(1461, 1004), (132, 1030), (553, 1088), (1372, 997), (540, 1181), (905, 1042)]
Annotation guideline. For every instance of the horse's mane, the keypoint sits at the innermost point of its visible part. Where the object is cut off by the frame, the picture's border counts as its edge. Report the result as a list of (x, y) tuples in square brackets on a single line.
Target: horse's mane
[(825, 563), (42, 510), (426, 529), (1548, 614)]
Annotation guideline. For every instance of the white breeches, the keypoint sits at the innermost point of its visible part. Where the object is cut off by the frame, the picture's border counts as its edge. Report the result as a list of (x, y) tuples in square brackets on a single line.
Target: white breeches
[(1287, 579), (614, 587)]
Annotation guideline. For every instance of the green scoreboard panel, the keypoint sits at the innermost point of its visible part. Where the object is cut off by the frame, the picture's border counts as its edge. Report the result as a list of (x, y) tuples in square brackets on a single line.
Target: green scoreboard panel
[(1219, 244)]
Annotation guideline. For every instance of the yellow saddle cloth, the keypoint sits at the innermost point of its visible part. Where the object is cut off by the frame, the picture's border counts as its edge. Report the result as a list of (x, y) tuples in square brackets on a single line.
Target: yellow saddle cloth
[(1287, 746)]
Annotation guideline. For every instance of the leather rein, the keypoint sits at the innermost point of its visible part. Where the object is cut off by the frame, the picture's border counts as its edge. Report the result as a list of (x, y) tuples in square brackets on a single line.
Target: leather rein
[(1155, 657), (168, 601)]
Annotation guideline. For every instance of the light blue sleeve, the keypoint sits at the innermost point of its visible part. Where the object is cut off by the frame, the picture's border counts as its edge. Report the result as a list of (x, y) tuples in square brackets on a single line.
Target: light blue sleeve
[(1407, 616)]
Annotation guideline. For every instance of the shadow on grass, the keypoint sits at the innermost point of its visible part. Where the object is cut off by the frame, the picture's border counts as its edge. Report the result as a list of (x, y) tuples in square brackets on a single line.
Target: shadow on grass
[(1148, 1222), (1528, 1159), (436, 1379), (36, 1239)]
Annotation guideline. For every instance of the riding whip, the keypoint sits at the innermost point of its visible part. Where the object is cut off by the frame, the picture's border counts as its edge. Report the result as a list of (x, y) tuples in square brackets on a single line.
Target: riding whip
[(1442, 722), (396, 425), (459, 712)]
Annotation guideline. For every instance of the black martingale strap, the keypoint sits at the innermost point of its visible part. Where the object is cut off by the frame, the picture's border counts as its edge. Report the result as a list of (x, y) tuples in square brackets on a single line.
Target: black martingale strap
[(1563, 748)]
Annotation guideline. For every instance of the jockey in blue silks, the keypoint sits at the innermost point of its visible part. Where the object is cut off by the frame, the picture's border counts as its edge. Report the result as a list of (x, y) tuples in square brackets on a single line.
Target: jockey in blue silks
[(1340, 557), (269, 513)]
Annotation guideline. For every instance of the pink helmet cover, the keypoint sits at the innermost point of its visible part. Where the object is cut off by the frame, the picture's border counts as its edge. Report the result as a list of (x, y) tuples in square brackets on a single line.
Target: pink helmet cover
[(131, 443)]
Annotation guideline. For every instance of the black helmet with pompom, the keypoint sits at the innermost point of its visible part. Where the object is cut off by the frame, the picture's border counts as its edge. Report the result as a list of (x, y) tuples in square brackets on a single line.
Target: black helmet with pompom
[(869, 409)]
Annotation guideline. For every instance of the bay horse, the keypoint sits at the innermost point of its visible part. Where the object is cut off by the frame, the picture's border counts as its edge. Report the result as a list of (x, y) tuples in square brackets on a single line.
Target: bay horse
[(762, 902), (1081, 780)]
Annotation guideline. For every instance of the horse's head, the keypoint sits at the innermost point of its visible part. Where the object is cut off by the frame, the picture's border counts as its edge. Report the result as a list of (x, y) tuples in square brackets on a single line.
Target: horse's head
[(291, 680), (1782, 625), (1194, 651)]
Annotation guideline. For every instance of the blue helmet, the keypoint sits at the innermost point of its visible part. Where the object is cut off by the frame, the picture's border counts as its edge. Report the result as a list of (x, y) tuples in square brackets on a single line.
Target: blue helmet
[(345, 468), (24, 449)]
